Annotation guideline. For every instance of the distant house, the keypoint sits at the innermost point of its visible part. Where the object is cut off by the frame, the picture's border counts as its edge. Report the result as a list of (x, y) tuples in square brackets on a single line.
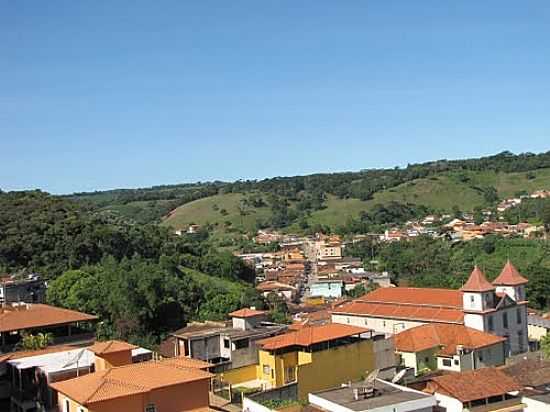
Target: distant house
[(329, 289), (537, 327), (486, 389), (29, 289), (534, 377), (281, 289), (457, 348), (229, 347)]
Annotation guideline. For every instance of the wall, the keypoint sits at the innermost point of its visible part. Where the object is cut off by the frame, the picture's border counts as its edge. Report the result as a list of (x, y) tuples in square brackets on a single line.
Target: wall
[(179, 398), (239, 375), (450, 404), (110, 360), (380, 325), (420, 360), (536, 332), (534, 405), (206, 348), (326, 289), (332, 367)]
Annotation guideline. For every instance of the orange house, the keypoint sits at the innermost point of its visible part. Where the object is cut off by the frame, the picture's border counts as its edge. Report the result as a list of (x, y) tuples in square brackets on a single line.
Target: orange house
[(171, 385)]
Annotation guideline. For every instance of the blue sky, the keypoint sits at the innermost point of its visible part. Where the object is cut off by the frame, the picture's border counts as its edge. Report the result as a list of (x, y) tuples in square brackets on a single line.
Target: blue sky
[(100, 94)]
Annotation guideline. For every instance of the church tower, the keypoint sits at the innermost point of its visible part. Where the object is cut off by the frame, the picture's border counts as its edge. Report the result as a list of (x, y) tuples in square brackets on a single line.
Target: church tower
[(511, 282), (478, 301)]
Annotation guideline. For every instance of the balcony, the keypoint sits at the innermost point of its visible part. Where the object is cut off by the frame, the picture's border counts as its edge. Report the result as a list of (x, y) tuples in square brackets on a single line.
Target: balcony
[(508, 405)]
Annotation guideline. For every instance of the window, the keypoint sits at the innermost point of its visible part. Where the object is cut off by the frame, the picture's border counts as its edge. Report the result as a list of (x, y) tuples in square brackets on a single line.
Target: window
[(266, 369), (518, 315), (457, 362), (67, 405), (505, 320), (472, 299), (226, 343), (151, 408), (366, 322), (80, 409), (446, 362), (491, 323), (241, 344)]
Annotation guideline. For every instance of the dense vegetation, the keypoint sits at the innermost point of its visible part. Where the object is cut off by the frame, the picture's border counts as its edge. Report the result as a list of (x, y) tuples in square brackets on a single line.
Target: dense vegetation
[(140, 279), (428, 262)]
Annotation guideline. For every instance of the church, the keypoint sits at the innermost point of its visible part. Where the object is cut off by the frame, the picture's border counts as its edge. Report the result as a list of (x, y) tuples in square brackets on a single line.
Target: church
[(499, 308)]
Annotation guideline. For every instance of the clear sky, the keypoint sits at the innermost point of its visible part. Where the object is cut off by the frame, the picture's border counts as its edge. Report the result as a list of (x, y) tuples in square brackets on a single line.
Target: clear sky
[(104, 94)]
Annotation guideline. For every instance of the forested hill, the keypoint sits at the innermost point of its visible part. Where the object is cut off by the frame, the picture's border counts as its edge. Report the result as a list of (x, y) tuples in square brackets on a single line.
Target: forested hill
[(141, 280), (332, 199)]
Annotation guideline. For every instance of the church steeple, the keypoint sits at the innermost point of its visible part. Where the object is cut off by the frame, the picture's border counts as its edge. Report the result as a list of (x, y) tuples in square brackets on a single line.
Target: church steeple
[(509, 276), (477, 282)]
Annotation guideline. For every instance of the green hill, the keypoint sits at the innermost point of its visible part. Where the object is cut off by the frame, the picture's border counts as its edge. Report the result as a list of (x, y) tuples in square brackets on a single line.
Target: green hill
[(441, 192)]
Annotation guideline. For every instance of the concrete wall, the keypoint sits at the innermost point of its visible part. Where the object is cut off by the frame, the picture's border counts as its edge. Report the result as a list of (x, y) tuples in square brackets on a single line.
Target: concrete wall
[(239, 375), (206, 348), (534, 405), (450, 404)]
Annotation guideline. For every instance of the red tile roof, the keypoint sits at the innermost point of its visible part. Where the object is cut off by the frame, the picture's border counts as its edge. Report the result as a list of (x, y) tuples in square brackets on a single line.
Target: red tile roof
[(418, 312), (471, 385), (126, 381), (477, 282), (110, 346), (37, 316), (445, 336), (448, 298), (246, 313), (310, 335), (509, 276), (185, 362)]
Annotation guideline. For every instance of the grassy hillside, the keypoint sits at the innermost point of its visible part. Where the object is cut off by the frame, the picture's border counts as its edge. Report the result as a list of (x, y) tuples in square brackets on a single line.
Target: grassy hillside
[(209, 211), (440, 192)]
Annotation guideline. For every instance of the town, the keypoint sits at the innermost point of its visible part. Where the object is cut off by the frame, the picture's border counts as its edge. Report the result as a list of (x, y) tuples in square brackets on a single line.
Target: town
[(274, 206)]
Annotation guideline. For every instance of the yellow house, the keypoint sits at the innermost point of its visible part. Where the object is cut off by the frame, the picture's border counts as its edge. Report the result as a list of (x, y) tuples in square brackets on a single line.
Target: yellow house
[(316, 357)]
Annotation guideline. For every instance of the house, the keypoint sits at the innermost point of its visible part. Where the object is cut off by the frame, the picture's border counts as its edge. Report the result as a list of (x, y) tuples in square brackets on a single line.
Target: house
[(281, 289), (65, 325), (329, 248), (317, 357), (29, 289), (480, 390), (229, 347), (534, 377), (171, 385), (537, 328), (27, 374), (384, 397), (498, 308), (440, 346), (328, 289)]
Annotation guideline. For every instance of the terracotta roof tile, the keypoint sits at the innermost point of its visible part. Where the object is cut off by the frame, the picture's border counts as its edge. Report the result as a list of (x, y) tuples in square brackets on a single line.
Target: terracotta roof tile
[(477, 282), (471, 385), (110, 346), (186, 363), (445, 336), (509, 276), (38, 315), (416, 296), (310, 335), (127, 380), (403, 311), (246, 313)]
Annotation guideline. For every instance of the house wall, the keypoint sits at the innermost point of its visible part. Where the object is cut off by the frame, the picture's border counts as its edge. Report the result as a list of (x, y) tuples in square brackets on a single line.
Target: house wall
[(178, 398), (450, 404), (110, 360), (319, 370), (239, 375), (536, 332), (420, 360), (380, 325), (533, 405), (326, 289), (206, 348)]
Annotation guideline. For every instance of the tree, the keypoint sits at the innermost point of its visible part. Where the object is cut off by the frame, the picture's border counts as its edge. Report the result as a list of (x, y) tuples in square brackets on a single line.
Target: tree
[(35, 342)]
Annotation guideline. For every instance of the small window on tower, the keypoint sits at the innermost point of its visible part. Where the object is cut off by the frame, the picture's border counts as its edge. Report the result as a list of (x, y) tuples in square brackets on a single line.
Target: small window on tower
[(518, 315)]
